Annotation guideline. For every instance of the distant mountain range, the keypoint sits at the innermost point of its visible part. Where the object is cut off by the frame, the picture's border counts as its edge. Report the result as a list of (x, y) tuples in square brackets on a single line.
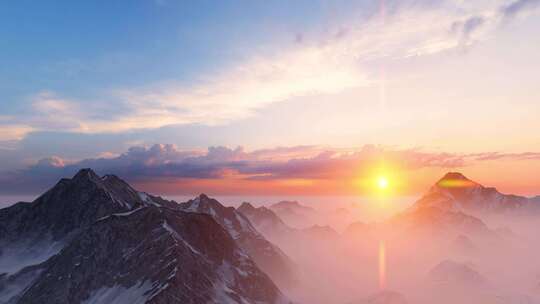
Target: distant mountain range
[(449, 272), (447, 220), (272, 226), (94, 239), (265, 219), (294, 213), (452, 205), (448, 211)]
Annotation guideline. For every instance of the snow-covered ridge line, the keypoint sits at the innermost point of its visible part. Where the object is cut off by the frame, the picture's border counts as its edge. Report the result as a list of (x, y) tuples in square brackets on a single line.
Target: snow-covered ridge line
[(122, 213), (178, 237)]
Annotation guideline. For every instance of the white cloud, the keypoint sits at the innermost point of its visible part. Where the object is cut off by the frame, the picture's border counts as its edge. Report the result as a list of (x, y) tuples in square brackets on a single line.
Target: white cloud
[(10, 132), (52, 112)]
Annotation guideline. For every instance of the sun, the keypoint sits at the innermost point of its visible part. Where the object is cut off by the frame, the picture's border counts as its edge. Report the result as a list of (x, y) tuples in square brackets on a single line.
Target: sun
[(382, 182), (379, 181)]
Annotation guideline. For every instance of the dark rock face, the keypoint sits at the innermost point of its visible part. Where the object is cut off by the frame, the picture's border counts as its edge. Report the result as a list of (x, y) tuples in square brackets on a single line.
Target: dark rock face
[(70, 205), (158, 254), (267, 256), (95, 239), (33, 232)]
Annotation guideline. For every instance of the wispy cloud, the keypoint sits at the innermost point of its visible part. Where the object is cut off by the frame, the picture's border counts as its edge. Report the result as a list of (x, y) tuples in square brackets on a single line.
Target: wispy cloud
[(327, 65), (511, 156), (10, 132), (519, 7)]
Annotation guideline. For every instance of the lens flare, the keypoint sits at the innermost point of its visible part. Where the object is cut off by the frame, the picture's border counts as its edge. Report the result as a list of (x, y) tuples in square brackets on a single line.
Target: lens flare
[(382, 265), (456, 183)]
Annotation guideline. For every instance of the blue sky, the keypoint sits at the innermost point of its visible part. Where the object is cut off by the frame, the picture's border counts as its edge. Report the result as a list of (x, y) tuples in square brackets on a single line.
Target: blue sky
[(85, 50), (82, 80), (82, 48)]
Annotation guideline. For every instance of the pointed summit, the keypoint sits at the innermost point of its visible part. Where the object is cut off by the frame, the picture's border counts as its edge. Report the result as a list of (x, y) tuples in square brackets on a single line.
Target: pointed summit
[(73, 204), (454, 175), (456, 192), (456, 185), (203, 196), (455, 180), (264, 219), (246, 206), (54, 218), (86, 174), (450, 272)]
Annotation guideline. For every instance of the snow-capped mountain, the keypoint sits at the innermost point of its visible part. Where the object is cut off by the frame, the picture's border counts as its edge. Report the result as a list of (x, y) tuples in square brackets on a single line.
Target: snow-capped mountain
[(94, 239), (456, 192), (152, 255), (267, 255), (31, 232)]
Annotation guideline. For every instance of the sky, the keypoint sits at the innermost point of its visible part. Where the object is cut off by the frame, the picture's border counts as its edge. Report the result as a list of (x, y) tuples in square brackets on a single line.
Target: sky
[(270, 97)]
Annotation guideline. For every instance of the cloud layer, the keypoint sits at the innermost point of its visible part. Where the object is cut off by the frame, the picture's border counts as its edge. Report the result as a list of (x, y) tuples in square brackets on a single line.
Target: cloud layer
[(168, 163)]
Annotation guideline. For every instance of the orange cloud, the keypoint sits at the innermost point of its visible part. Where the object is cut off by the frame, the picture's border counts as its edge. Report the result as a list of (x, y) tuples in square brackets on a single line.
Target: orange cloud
[(286, 170)]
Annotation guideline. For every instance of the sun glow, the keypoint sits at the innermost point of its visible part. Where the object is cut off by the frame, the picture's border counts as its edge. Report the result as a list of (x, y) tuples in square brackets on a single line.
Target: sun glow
[(382, 182)]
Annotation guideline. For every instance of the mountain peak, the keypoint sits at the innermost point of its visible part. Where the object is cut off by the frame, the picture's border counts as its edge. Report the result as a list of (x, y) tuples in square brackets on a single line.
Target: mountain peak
[(452, 272), (246, 206), (203, 196), (291, 206), (454, 175), (456, 192), (112, 181), (197, 262), (287, 203), (86, 174), (203, 203), (265, 254), (452, 181)]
